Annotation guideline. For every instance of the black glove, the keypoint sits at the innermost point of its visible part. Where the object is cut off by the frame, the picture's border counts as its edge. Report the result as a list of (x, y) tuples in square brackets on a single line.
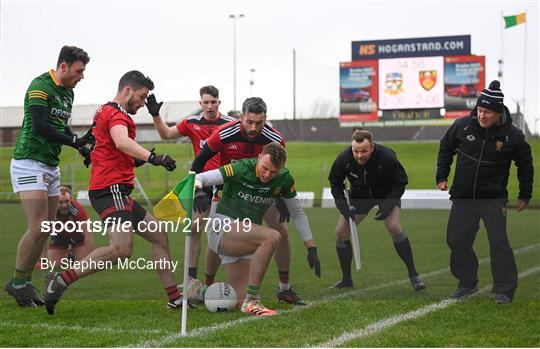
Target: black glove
[(344, 208), (385, 208), (76, 141), (201, 201), (284, 214), (139, 163), (153, 106), (87, 138), (85, 152), (162, 160), (313, 260)]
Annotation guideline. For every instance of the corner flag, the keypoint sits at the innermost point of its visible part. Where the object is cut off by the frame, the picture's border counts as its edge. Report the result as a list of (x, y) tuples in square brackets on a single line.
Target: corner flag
[(178, 205)]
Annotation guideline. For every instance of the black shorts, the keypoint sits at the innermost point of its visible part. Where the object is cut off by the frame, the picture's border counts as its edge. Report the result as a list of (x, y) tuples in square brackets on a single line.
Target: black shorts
[(364, 205), (115, 201)]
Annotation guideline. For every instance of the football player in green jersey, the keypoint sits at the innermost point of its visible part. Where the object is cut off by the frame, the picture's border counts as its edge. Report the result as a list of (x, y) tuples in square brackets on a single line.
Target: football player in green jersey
[(236, 232), (35, 174)]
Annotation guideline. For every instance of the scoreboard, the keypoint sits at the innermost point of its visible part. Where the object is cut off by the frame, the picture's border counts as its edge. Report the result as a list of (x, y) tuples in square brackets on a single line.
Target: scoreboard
[(410, 82)]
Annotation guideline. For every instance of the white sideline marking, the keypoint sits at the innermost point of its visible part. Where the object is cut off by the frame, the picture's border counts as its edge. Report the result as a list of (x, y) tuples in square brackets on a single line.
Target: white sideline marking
[(394, 320), (193, 333), (200, 331), (107, 330)]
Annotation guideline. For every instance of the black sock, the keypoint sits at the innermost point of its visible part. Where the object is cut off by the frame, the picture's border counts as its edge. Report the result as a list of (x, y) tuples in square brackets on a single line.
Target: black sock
[(344, 252), (404, 251), (193, 272)]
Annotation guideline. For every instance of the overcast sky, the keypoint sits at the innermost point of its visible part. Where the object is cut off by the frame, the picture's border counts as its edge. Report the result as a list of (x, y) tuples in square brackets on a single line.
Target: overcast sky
[(183, 45)]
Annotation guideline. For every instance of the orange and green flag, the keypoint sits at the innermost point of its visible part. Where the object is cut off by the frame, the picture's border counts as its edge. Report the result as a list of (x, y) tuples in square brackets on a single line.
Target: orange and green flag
[(510, 21), (178, 203)]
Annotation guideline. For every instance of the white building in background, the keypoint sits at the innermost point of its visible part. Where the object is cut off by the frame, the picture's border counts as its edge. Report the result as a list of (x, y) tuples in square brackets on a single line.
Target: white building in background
[(82, 116)]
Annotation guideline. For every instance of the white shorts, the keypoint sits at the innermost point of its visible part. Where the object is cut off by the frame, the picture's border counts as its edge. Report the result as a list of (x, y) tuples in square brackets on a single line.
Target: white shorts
[(215, 237), (27, 174)]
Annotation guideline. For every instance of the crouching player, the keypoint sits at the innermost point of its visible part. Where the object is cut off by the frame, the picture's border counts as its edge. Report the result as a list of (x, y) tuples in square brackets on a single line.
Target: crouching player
[(377, 178), (74, 245), (250, 188)]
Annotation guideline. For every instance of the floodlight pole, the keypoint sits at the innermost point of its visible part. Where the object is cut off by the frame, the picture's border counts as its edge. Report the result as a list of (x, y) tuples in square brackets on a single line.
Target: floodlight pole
[(294, 84), (251, 81), (234, 18)]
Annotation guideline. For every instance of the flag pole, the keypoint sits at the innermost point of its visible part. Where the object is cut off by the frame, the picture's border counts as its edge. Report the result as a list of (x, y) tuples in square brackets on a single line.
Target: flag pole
[(524, 73), (183, 331), (185, 283), (501, 60)]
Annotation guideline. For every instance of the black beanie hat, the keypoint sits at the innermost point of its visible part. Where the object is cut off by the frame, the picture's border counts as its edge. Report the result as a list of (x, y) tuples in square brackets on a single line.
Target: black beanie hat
[(492, 98)]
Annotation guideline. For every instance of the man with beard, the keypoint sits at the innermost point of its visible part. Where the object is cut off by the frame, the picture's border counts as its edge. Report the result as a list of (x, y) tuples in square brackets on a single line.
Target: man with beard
[(35, 173), (70, 244), (241, 139), (250, 188), (377, 179), (111, 182)]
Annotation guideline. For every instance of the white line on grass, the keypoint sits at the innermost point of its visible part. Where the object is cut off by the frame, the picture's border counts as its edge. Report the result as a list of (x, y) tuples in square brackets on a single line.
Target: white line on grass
[(396, 319), (107, 330), (200, 331)]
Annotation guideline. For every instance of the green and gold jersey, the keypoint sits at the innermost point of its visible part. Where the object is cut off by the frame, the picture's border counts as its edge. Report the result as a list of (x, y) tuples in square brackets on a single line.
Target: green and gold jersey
[(245, 196), (45, 91)]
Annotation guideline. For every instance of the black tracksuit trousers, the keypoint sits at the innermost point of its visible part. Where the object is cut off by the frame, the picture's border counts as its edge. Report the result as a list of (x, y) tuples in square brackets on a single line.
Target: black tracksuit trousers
[(463, 224)]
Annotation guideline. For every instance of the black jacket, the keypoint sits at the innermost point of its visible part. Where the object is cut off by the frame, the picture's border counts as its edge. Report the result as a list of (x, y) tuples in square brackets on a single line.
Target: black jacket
[(382, 177), (484, 157)]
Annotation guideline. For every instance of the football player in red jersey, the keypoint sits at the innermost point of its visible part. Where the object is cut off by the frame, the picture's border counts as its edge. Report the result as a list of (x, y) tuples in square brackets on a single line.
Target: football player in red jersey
[(113, 162), (80, 242), (240, 139), (198, 128)]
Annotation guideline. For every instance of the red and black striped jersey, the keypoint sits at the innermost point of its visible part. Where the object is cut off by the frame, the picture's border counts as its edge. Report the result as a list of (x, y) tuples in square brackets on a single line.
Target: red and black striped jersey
[(76, 213), (231, 143), (198, 129)]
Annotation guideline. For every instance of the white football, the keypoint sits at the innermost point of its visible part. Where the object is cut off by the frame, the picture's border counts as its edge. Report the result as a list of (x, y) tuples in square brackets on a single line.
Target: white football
[(220, 296)]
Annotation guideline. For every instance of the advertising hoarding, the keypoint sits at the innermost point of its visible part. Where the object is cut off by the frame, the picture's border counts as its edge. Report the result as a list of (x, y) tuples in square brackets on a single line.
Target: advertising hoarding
[(464, 79), (358, 91), (414, 47), (411, 83), (425, 115)]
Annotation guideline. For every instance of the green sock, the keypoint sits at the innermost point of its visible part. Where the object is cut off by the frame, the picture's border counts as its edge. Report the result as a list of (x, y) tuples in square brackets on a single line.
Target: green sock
[(18, 278), (253, 290), (28, 277)]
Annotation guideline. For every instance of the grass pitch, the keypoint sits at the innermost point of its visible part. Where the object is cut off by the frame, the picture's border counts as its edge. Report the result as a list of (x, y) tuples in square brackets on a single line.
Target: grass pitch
[(309, 163), (127, 308)]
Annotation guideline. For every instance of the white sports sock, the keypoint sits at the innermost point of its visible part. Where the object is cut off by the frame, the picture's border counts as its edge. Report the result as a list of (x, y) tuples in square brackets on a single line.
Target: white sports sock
[(284, 286)]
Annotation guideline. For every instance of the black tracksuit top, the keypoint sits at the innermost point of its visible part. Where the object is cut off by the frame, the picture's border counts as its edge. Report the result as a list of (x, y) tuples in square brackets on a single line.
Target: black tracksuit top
[(382, 177), (484, 157)]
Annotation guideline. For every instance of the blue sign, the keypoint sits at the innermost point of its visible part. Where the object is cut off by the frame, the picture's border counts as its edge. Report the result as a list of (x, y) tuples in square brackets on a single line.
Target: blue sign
[(415, 47)]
